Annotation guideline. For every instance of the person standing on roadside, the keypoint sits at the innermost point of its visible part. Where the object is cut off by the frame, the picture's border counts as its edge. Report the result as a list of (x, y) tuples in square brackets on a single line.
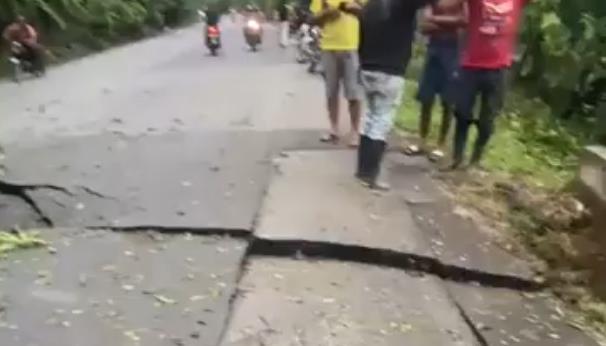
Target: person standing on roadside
[(339, 44), (284, 24), (487, 55), (387, 33), (439, 74)]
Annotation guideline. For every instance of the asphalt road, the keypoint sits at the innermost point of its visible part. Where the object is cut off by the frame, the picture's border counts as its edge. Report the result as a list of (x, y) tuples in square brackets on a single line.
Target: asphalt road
[(159, 137), (159, 133), (166, 83)]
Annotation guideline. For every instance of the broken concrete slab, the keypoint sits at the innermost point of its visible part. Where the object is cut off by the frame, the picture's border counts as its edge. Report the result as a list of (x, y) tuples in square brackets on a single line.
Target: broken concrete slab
[(204, 180), (17, 213), (313, 196), (506, 317), (100, 288), (288, 302), (455, 239)]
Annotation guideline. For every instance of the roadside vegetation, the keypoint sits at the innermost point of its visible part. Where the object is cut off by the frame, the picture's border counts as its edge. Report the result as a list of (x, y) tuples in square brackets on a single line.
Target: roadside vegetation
[(556, 106), (10, 241)]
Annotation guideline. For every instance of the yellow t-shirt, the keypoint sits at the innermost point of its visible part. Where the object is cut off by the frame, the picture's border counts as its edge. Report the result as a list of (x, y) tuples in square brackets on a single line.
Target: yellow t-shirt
[(341, 34)]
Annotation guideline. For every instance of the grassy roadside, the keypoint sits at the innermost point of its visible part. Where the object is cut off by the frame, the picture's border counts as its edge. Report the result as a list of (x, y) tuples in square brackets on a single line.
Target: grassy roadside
[(523, 194)]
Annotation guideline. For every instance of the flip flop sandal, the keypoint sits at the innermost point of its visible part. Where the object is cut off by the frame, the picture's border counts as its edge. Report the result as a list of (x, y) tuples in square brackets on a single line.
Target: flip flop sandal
[(330, 138), (413, 150), (436, 155)]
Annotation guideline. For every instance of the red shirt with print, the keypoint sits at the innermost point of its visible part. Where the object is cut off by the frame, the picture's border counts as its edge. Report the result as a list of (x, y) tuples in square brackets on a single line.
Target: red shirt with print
[(492, 33)]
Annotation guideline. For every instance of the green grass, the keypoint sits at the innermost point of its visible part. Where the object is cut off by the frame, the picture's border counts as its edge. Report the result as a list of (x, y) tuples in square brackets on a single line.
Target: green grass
[(10, 241), (528, 144)]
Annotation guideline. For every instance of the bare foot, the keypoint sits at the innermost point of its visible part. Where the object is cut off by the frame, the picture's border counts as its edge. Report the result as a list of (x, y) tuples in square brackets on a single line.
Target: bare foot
[(330, 138), (354, 140)]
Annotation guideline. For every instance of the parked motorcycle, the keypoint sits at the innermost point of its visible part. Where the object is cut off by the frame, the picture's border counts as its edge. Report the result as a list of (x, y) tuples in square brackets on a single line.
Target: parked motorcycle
[(21, 65), (253, 33), (308, 47), (213, 39)]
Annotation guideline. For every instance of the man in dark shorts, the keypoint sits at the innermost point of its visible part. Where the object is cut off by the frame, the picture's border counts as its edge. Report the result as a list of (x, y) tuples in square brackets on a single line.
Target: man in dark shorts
[(387, 33), (488, 53), (440, 72)]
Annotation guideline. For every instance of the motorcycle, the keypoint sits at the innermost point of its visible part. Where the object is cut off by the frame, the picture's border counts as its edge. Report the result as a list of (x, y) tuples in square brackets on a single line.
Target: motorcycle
[(253, 34), (308, 48), (315, 55), (20, 65), (213, 39)]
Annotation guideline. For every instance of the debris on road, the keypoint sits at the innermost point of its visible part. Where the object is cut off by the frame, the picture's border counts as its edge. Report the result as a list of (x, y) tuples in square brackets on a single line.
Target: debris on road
[(19, 240)]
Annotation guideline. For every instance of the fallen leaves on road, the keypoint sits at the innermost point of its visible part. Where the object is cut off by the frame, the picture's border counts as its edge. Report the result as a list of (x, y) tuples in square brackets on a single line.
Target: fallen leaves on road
[(132, 335), (401, 327), (20, 240), (164, 300)]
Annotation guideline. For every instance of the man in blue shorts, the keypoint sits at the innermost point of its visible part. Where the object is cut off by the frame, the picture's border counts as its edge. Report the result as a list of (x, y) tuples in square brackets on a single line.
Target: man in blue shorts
[(440, 72)]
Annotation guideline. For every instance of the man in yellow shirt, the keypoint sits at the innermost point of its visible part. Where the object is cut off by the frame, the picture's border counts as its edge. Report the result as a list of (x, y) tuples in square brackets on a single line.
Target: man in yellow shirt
[(340, 40)]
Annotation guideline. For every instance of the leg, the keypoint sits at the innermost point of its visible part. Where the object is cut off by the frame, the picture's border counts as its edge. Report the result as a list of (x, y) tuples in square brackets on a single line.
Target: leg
[(466, 97), (445, 125), (449, 73), (492, 96), (428, 88), (355, 113), (331, 78), (36, 56), (284, 34), (384, 106), (425, 122), (369, 83), (353, 92), (437, 154)]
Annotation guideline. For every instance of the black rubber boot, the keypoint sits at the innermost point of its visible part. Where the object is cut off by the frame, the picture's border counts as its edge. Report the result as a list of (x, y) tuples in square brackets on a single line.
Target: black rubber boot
[(363, 171), (374, 163)]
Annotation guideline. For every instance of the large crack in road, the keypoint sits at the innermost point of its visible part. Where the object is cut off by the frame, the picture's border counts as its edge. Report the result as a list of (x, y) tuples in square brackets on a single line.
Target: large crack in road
[(302, 249)]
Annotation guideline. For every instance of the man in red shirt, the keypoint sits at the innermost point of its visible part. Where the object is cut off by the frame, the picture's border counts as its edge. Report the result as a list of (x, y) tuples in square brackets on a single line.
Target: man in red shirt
[(487, 55)]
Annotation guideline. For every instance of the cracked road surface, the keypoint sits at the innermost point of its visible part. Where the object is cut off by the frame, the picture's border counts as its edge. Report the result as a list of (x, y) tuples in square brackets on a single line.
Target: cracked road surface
[(146, 169)]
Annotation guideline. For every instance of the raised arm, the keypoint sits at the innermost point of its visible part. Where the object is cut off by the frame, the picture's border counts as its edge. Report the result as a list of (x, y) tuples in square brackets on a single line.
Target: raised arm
[(352, 7)]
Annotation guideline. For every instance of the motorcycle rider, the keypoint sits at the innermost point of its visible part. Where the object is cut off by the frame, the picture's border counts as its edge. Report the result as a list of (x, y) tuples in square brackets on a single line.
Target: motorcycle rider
[(283, 14), (212, 20), (252, 13), (25, 34), (212, 15)]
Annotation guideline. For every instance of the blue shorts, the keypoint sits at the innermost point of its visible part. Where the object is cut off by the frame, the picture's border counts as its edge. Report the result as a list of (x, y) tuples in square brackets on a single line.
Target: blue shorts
[(440, 72)]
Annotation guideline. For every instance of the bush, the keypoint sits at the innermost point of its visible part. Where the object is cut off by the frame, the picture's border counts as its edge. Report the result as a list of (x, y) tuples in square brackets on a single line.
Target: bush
[(563, 49)]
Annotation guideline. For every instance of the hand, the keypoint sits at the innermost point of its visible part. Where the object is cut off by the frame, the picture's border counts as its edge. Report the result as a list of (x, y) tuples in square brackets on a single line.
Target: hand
[(330, 14), (350, 7), (428, 27)]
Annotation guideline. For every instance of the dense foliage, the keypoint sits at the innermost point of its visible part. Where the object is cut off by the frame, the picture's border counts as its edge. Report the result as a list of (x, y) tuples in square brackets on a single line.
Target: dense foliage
[(95, 23), (563, 55)]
